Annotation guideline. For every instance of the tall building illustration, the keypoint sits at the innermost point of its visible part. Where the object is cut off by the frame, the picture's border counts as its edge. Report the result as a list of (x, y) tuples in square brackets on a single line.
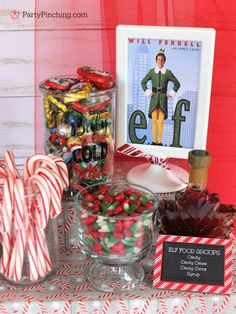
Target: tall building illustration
[(188, 127), (140, 100), (142, 66)]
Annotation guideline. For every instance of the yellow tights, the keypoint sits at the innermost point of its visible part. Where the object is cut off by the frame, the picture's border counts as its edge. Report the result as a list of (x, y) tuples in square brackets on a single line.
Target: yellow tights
[(157, 125)]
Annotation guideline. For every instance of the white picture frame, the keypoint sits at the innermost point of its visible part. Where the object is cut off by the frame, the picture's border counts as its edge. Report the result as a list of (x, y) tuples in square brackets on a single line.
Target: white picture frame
[(190, 53)]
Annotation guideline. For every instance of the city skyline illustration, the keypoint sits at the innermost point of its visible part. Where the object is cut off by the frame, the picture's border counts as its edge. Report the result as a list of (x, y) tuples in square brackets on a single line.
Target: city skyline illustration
[(140, 62)]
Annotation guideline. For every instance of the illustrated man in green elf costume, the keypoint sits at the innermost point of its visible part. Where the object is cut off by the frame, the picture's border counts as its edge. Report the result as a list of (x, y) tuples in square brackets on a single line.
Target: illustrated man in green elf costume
[(160, 77)]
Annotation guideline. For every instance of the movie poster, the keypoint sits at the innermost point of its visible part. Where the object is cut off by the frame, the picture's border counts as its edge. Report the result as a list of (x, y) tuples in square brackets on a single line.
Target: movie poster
[(174, 91)]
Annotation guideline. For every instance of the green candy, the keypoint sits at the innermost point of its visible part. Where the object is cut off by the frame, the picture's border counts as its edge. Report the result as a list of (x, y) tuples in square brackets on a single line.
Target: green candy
[(129, 244), (130, 250), (129, 241), (111, 241), (104, 246), (133, 196), (114, 205), (126, 208), (147, 222), (139, 234), (136, 226), (144, 199), (109, 227), (96, 225), (134, 207), (104, 205)]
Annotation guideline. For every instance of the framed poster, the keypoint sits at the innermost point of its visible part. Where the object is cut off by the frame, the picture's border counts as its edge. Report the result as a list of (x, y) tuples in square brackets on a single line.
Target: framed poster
[(164, 84)]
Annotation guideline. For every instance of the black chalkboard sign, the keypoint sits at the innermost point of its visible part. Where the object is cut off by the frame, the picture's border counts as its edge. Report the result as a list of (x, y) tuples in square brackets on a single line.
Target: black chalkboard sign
[(193, 263)]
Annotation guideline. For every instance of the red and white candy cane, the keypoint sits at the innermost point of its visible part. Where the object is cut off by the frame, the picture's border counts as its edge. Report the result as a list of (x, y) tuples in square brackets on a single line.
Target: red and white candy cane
[(10, 165), (32, 253), (55, 187), (36, 161), (42, 200), (43, 259), (3, 172), (62, 168), (40, 220), (21, 225), (6, 224)]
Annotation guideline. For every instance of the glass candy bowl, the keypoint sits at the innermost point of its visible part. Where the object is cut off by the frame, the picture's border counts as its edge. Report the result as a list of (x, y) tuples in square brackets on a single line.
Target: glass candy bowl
[(115, 228)]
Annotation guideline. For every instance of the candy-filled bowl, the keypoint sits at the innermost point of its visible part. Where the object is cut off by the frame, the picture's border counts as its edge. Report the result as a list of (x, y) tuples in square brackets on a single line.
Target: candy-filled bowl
[(115, 228)]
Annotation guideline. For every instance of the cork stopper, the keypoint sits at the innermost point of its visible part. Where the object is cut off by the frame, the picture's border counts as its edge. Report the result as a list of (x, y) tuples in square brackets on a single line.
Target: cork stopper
[(199, 160)]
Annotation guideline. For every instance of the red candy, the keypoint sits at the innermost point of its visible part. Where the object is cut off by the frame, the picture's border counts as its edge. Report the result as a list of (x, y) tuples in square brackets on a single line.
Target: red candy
[(118, 248), (89, 220), (59, 84), (127, 233), (119, 226), (118, 235), (89, 197), (120, 197), (102, 80), (104, 188), (108, 198), (128, 223), (98, 248), (118, 210), (149, 204), (57, 140)]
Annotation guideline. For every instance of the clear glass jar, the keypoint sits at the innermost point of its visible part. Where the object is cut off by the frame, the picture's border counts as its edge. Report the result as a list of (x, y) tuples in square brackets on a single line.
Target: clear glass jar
[(29, 251), (79, 127), (115, 228)]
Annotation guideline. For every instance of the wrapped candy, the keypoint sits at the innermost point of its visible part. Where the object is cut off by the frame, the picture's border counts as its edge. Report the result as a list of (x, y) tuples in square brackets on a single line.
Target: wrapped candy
[(79, 123)]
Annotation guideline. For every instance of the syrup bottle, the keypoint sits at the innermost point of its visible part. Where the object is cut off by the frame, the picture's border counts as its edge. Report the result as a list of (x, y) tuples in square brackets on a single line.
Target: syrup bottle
[(195, 211)]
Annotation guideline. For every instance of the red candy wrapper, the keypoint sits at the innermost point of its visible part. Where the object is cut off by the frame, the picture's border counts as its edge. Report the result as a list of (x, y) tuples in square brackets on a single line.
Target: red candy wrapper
[(59, 84), (102, 80)]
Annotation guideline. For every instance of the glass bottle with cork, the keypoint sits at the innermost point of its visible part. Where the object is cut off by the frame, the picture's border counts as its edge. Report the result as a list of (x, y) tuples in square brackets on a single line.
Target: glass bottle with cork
[(195, 211)]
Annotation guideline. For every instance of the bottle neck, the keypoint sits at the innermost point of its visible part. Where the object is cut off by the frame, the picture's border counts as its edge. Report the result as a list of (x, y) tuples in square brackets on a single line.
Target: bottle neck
[(198, 177), (199, 161)]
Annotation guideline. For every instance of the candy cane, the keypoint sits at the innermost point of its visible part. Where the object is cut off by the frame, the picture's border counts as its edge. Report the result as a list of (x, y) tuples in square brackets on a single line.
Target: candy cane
[(3, 172), (55, 186), (21, 224), (7, 215), (43, 259), (7, 204), (36, 161), (0, 218), (62, 168), (10, 165), (32, 254), (43, 200), (52, 177)]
